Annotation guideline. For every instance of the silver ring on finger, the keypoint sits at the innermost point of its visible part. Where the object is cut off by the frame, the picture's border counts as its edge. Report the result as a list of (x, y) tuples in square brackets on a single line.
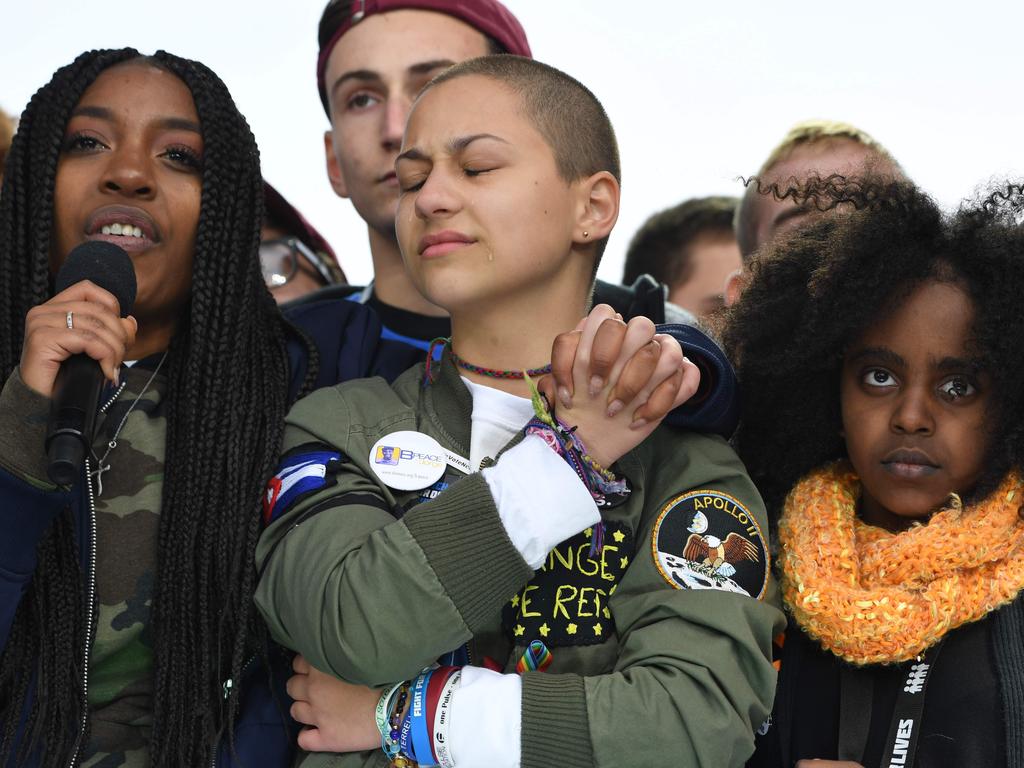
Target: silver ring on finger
[(71, 322)]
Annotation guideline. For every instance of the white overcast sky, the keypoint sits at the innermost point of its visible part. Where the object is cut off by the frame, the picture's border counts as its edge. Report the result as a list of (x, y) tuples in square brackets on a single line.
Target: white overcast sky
[(698, 92)]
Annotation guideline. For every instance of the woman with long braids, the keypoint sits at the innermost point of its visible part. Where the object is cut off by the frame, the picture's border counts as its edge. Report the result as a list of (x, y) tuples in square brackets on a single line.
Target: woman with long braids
[(127, 631), (135, 655)]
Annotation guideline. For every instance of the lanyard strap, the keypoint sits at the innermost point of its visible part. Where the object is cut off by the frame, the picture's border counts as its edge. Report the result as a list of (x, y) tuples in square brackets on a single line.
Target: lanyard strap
[(856, 694), (901, 744)]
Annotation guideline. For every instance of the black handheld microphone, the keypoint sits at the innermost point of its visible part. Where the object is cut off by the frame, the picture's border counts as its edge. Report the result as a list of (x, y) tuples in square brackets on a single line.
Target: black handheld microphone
[(79, 383)]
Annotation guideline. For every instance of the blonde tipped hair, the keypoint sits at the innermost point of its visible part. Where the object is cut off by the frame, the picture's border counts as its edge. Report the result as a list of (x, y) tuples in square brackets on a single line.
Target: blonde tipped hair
[(814, 131), (804, 134)]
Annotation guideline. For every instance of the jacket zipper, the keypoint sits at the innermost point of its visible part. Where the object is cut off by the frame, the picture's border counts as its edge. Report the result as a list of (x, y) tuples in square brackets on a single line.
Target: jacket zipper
[(90, 599), (92, 588), (117, 394), (228, 684), (91, 591)]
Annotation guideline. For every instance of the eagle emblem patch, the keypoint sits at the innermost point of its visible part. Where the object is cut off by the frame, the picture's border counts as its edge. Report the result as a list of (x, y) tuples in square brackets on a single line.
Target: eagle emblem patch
[(709, 540)]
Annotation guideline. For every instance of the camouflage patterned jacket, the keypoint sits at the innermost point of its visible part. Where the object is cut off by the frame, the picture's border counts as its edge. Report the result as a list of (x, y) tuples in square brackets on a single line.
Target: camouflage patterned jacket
[(123, 518), (347, 338)]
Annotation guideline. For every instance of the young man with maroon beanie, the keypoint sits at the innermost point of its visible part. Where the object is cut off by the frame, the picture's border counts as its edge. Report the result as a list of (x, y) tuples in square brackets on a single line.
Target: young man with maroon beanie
[(375, 57)]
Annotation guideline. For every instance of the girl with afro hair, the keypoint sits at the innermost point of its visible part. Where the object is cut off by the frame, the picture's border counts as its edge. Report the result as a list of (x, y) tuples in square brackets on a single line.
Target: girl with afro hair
[(882, 414)]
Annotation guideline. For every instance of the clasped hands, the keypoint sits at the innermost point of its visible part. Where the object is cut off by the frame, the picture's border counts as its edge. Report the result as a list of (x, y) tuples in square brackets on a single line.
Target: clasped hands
[(614, 381)]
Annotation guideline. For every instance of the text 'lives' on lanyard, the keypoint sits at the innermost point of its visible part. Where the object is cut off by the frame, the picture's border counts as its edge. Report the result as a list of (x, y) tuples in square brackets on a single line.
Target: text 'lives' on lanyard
[(856, 697)]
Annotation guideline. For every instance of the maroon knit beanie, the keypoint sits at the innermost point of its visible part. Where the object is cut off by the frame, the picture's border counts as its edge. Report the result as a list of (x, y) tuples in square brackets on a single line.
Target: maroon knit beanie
[(488, 16)]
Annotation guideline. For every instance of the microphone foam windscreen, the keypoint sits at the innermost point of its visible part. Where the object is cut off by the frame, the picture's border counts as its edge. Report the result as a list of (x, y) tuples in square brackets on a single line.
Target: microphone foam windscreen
[(106, 265)]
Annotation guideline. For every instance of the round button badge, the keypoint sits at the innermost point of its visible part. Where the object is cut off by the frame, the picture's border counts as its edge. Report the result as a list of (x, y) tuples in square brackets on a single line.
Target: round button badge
[(407, 460)]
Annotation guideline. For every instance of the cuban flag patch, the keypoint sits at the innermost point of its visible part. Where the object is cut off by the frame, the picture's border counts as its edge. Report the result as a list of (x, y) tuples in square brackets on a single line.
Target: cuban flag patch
[(303, 471)]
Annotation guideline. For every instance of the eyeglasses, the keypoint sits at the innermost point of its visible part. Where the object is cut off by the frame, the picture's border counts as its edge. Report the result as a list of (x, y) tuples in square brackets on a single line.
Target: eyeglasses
[(279, 261)]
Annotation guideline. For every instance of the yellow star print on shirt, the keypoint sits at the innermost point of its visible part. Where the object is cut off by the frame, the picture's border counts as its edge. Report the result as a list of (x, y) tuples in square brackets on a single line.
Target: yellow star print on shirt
[(519, 630), (597, 628), (515, 601), (544, 629), (571, 629), (618, 536)]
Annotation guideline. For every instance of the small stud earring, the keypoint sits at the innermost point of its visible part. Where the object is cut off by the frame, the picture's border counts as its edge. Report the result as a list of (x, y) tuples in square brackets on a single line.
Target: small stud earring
[(585, 233)]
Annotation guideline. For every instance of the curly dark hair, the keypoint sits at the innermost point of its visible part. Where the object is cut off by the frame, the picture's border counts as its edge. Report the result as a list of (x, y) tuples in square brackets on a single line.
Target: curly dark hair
[(813, 293), (228, 387)]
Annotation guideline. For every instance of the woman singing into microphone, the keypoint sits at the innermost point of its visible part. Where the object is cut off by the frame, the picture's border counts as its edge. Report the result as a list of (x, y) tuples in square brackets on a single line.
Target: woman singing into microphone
[(126, 598)]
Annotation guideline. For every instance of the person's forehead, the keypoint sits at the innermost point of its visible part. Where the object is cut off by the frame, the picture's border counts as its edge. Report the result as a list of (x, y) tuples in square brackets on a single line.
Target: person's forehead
[(713, 245), (825, 156), (467, 106), (138, 73), (929, 326), (155, 91), (394, 42)]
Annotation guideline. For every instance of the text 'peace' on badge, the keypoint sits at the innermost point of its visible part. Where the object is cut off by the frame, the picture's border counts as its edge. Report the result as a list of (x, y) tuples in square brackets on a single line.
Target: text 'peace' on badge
[(408, 460)]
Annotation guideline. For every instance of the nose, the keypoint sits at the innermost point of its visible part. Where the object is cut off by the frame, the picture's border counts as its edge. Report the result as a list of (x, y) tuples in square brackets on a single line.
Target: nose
[(395, 114), (913, 413), (437, 198), (128, 172)]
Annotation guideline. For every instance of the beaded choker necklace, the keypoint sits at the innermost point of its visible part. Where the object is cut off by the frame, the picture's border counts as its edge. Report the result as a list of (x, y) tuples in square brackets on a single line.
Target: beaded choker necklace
[(494, 373)]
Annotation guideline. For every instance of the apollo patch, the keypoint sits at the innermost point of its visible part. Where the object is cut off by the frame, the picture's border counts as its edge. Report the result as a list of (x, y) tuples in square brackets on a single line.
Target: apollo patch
[(304, 470), (566, 601), (709, 540)]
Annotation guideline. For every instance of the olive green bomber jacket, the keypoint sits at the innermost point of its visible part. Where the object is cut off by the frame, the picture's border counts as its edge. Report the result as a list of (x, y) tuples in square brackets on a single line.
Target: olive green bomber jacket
[(644, 669)]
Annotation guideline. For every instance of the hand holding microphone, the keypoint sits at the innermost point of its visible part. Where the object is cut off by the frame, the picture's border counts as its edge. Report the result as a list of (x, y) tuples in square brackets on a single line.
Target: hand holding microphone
[(76, 341)]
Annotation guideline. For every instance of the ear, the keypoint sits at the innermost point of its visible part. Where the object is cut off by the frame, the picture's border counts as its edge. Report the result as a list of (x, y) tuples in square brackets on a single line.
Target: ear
[(598, 208), (334, 173), (735, 284)]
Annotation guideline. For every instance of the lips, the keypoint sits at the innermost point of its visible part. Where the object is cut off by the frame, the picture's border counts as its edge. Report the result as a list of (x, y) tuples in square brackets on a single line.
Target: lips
[(128, 227), (910, 463), (443, 243)]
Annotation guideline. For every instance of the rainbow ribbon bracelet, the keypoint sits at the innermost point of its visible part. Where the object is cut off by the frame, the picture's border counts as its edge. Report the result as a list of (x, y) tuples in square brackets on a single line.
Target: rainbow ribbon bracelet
[(536, 658)]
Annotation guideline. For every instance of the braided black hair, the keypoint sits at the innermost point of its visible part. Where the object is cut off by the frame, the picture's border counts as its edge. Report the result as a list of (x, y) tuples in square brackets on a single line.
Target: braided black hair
[(815, 292), (227, 398)]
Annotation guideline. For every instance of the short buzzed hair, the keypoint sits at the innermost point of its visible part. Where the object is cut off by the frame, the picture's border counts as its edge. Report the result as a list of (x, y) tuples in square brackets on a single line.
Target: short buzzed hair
[(562, 109), (661, 247), (805, 133)]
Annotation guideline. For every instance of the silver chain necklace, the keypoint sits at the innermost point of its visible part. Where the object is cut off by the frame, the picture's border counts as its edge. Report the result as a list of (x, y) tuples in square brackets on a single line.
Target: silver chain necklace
[(100, 466)]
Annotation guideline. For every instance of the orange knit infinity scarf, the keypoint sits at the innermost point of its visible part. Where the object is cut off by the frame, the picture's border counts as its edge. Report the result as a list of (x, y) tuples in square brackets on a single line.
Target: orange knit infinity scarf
[(871, 596)]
